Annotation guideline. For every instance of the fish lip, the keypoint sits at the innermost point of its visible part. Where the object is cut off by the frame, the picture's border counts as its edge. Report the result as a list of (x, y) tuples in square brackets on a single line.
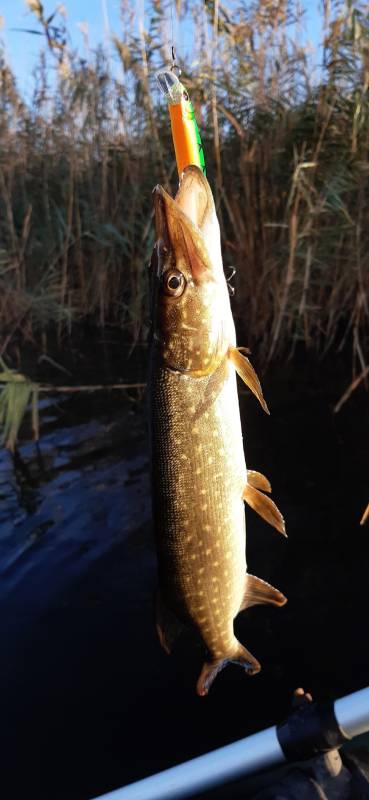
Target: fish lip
[(165, 204), (175, 229), (161, 199), (175, 203), (162, 233)]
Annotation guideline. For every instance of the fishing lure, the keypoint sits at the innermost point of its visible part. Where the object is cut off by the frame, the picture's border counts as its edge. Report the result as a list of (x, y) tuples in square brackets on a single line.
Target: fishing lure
[(185, 132)]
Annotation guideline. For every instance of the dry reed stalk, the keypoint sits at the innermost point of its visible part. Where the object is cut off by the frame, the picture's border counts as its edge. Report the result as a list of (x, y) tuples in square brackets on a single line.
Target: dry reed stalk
[(302, 265), (302, 306), (23, 244), (290, 270), (67, 232), (149, 103), (79, 257), (12, 231), (214, 110), (50, 389), (350, 389)]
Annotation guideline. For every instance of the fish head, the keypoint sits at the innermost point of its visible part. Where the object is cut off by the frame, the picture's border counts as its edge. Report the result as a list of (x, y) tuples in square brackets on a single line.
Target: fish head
[(192, 320)]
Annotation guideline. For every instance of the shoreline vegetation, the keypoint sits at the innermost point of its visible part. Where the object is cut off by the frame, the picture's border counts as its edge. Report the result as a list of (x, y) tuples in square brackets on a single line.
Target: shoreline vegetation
[(287, 155)]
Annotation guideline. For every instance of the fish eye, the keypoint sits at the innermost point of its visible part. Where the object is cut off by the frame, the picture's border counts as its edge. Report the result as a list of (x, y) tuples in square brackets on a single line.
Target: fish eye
[(174, 283)]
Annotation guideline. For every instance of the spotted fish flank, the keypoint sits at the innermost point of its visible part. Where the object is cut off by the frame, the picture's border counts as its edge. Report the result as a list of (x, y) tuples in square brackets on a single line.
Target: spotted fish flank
[(199, 475)]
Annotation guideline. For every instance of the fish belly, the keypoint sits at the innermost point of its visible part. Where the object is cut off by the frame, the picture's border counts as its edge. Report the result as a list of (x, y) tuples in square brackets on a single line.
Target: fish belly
[(198, 475)]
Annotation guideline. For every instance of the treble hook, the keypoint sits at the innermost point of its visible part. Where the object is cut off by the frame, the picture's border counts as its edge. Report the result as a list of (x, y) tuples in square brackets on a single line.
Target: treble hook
[(231, 272)]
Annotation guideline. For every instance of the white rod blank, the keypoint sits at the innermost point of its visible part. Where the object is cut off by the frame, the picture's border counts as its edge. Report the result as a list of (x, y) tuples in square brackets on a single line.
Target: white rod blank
[(352, 712), (255, 752), (259, 751)]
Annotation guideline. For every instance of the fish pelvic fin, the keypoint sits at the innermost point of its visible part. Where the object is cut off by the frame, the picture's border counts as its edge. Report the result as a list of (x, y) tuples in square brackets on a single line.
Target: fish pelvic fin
[(258, 480), (211, 669), (246, 371), (264, 506), (259, 592), (168, 627)]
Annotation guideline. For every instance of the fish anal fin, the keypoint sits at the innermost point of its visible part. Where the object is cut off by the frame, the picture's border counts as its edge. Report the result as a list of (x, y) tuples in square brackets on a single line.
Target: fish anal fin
[(258, 480), (211, 669), (259, 592), (246, 371), (168, 627), (264, 506)]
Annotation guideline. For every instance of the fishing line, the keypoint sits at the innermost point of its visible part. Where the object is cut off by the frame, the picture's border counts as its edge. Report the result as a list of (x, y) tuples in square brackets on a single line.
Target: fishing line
[(185, 132), (174, 68), (172, 36)]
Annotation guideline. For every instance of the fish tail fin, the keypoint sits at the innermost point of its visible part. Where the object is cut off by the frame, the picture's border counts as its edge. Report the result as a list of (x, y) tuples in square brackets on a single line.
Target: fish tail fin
[(210, 669)]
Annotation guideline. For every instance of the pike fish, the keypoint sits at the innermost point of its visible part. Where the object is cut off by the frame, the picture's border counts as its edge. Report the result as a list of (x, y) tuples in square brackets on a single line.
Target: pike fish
[(199, 475)]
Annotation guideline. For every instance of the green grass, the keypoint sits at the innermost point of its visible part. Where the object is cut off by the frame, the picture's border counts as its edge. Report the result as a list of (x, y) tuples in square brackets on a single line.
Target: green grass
[(16, 394)]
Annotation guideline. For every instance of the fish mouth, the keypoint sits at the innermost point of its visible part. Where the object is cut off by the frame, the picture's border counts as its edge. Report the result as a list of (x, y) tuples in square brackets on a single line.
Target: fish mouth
[(188, 225)]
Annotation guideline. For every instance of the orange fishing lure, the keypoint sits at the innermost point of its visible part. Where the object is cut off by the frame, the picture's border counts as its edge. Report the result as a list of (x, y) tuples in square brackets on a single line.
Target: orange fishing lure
[(185, 132)]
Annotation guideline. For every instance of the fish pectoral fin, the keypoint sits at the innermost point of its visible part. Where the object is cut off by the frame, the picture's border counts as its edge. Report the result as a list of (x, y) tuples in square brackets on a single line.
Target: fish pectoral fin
[(211, 669), (259, 592), (264, 506), (246, 371), (258, 480), (168, 626)]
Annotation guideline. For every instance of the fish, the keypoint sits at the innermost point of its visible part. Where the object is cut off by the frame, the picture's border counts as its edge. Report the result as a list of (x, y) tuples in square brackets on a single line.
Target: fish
[(199, 478)]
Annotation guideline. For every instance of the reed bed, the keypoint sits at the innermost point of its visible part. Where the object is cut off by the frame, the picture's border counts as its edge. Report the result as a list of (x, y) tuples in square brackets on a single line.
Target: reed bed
[(287, 156)]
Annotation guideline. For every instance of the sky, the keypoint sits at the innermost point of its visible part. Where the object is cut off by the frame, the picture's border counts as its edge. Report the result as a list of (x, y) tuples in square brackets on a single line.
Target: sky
[(22, 48), (102, 18)]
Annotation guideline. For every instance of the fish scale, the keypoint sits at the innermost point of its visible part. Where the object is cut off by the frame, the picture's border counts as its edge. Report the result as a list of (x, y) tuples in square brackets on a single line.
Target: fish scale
[(199, 475), (198, 503)]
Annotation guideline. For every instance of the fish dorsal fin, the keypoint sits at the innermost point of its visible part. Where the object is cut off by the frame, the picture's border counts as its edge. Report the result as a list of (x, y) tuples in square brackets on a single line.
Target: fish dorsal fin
[(259, 592), (246, 371), (258, 480), (264, 506)]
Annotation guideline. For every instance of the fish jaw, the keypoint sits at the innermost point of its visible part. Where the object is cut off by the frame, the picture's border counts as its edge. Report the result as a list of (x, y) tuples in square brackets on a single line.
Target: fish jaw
[(178, 224), (193, 323), (195, 199)]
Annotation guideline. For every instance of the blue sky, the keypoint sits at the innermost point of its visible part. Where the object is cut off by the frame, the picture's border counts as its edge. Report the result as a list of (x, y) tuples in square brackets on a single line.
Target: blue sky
[(22, 49), (101, 16)]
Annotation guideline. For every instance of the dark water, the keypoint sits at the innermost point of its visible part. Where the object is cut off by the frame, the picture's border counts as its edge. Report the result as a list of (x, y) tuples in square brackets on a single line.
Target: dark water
[(89, 701)]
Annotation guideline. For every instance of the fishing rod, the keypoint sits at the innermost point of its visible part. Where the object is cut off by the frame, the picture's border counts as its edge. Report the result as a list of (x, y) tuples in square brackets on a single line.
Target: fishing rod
[(310, 730)]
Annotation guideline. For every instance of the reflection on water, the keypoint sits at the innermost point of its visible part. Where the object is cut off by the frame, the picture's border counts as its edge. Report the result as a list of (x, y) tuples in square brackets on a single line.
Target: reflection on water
[(81, 495), (82, 488)]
